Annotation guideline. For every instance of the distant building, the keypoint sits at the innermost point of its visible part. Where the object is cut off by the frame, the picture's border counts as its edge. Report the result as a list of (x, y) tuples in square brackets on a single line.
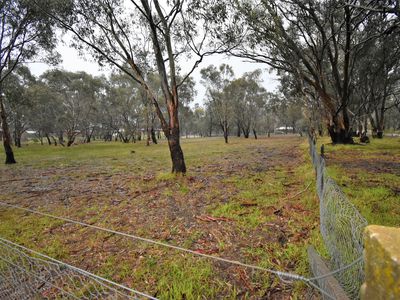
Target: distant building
[(283, 130)]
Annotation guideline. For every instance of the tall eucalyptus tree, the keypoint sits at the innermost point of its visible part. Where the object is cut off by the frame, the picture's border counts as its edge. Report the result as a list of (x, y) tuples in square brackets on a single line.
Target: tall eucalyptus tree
[(115, 32), (24, 33)]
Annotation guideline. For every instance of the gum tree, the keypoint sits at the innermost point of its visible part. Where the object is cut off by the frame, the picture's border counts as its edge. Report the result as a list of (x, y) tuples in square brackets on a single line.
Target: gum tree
[(317, 42), (114, 31), (220, 100), (25, 32)]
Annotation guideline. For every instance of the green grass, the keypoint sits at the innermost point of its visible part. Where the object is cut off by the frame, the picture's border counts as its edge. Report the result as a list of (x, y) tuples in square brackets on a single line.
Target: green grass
[(370, 177), (261, 187)]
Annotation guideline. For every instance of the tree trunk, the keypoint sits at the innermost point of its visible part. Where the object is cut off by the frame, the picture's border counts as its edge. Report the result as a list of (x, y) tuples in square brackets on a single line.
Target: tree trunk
[(70, 142), (17, 139), (153, 135), (246, 132), (255, 133), (379, 124), (224, 127), (320, 130), (61, 138), (178, 160), (6, 134), (238, 130), (339, 131), (148, 138), (365, 129), (48, 139), (226, 136)]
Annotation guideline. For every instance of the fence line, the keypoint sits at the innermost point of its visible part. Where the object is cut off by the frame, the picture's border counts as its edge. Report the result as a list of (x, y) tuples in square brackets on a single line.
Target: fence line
[(26, 271), (341, 227), (284, 276), (26, 274)]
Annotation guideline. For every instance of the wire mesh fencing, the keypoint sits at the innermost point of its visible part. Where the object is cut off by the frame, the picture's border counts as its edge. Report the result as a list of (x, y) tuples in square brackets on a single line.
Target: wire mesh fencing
[(26, 274), (341, 228)]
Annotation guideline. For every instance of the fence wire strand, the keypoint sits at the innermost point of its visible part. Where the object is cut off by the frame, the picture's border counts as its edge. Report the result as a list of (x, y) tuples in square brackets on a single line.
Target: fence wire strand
[(341, 227)]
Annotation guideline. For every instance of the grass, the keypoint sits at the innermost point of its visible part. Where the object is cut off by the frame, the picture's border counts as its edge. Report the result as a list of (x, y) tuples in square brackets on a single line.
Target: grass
[(370, 177), (250, 200)]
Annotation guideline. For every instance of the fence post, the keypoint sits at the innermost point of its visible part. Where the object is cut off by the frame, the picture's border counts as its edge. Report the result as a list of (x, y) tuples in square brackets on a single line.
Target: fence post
[(382, 263)]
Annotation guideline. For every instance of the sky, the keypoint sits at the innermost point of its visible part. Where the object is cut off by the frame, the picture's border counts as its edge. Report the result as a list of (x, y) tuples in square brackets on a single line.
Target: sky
[(72, 61)]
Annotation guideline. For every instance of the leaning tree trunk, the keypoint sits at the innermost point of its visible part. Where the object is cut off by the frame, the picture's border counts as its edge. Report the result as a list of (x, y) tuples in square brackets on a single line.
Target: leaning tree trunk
[(255, 133), (70, 142), (246, 132), (71, 139), (48, 139), (6, 134)]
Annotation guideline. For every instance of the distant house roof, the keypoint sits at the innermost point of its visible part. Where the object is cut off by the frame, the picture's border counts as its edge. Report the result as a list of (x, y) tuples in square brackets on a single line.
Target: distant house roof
[(284, 128)]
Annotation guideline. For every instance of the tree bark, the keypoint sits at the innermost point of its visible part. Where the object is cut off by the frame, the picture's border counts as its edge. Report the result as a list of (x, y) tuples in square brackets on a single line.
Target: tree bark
[(246, 132), (255, 133), (54, 140), (48, 139), (70, 142), (61, 138), (178, 160), (6, 134), (17, 139), (148, 130), (153, 135), (225, 130), (339, 130), (226, 137)]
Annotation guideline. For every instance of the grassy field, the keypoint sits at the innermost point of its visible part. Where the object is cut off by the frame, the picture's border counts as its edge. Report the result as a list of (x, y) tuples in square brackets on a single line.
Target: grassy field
[(251, 200), (370, 176)]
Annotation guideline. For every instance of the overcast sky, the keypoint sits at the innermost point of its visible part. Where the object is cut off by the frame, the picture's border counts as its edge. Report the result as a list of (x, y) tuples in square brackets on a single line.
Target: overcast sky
[(73, 62)]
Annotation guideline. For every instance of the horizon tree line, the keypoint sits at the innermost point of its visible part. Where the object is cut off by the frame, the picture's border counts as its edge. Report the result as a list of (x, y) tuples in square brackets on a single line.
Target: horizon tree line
[(337, 60)]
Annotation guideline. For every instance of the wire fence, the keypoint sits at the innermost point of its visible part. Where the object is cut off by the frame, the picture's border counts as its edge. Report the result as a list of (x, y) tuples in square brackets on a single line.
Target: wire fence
[(23, 270), (27, 274), (341, 227)]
